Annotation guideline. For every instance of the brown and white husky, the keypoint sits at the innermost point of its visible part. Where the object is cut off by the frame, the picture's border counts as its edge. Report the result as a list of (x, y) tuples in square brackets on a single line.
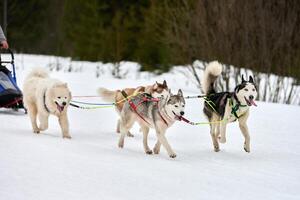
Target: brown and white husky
[(157, 90)]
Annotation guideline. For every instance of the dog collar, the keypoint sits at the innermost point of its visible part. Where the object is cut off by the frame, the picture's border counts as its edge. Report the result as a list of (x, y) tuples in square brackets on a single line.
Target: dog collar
[(44, 100)]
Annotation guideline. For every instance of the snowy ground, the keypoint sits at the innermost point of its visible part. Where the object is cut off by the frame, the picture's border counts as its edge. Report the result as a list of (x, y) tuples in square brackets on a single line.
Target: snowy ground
[(90, 166)]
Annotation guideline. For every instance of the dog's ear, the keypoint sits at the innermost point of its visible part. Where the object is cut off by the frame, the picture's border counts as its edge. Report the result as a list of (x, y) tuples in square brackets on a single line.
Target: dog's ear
[(179, 93), (237, 89), (155, 86), (243, 80), (59, 85), (251, 79), (165, 83)]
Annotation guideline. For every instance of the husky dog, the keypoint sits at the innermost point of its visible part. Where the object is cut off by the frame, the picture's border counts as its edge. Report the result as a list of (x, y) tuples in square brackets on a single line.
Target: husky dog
[(43, 96), (227, 107), (157, 115), (157, 90)]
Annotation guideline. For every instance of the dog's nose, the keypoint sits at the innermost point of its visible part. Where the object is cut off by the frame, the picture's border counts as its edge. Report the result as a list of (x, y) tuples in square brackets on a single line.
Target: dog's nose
[(182, 113), (251, 97), (64, 103)]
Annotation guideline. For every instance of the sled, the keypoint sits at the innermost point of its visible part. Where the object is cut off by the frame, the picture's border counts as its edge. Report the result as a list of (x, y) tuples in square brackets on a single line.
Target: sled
[(10, 94)]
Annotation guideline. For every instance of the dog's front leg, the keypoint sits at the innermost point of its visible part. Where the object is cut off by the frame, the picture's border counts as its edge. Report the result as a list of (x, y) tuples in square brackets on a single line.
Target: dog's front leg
[(145, 140), (163, 140), (223, 132), (64, 124), (118, 126), (214, 136), (43, 122), (32, 111), (244, 130), (157, 147)]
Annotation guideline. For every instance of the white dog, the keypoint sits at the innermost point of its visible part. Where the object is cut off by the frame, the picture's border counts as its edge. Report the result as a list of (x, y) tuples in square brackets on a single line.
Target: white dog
[(43, 96)]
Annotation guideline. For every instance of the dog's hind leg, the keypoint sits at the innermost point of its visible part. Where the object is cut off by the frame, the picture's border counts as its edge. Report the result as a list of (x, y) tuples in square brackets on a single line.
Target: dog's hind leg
[(64, 124), (32, 111), (129, 134), (126, 122), (145, 139), (118, 129)]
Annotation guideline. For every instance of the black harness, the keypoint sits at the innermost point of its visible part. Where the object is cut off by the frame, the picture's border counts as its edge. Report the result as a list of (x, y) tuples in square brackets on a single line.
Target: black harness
[(235, 107), (44, 101)]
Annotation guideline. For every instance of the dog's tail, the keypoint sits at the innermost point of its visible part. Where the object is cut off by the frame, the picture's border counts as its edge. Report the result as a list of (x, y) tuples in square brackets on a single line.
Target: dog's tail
[(107, 95), (38, 73), (211, 73)]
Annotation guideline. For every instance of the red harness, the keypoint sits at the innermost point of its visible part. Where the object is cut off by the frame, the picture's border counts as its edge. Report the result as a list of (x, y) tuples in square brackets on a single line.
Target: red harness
[(134, 107)]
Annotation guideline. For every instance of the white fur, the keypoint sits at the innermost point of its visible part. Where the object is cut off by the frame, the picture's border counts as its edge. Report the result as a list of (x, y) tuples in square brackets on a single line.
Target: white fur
[(214, 68), (38, 73), (41, 91)]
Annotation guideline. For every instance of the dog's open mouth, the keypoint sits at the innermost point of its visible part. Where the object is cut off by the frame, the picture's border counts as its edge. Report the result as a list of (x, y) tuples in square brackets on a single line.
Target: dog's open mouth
[(250, 102), (59, 107), (177, 117)]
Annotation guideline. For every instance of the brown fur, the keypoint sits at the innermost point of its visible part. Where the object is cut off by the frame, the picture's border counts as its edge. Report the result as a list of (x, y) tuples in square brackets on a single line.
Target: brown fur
[(117, 96)]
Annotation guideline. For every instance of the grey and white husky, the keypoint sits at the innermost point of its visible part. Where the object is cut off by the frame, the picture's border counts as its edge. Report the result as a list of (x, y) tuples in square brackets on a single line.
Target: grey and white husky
[(150, 114), (225, 107)]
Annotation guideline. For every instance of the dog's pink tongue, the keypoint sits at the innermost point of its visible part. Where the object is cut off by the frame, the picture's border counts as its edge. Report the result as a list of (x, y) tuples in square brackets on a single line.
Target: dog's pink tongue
[(253, 102), (60, 108)]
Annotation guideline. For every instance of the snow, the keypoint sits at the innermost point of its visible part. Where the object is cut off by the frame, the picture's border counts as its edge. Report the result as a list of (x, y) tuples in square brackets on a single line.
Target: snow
[(91, 166)]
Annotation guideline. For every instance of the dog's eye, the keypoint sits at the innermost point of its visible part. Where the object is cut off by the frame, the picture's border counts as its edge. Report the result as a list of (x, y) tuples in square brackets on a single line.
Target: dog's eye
[(253, 90), (176, 106), (59, 97), (65, 97), (246, 89), (183, 105)]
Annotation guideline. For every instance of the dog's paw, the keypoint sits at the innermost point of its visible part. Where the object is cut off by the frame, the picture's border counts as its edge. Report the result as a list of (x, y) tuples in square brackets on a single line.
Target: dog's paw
[(43, 127), (130, 135), (216, 149), (172, 155), (121, 144), (37, 131), (247, 150), (149, 152), (67, 136), (156, 150), (222, 140)]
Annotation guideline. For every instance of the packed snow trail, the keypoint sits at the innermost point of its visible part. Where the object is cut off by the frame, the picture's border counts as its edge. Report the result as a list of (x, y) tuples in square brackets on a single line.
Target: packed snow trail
[(91, 166)]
